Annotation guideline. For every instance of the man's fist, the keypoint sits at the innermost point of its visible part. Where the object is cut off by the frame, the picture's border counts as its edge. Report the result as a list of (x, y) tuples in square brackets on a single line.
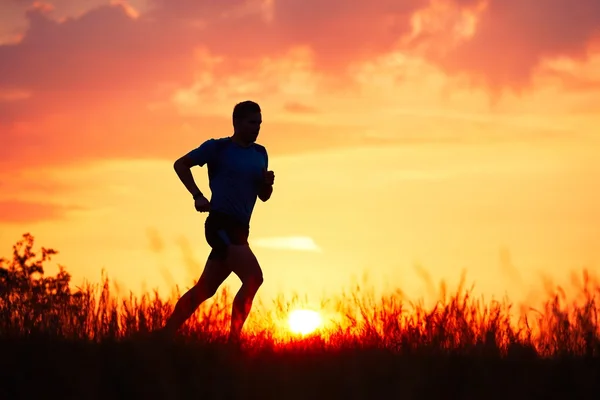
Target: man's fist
[(202, 204), (268, 177)]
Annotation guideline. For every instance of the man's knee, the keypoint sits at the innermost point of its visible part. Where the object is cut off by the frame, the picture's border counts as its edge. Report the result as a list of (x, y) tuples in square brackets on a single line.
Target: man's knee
[(258, 279), (208, 284), (205, 289), (244, 263), (253, 281)]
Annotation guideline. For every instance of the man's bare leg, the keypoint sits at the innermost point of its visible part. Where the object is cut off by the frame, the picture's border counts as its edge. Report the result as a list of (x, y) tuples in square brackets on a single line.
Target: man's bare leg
[(244, 264), (214, 274)]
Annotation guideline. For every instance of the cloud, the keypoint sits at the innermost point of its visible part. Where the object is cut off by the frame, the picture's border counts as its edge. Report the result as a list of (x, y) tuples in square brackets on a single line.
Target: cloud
[(296, 243), (93, 92), (339, 32), (501, 41), (94, 80), (159, 44), (18, 212), (511, 38), (82, 56), (14, 22)]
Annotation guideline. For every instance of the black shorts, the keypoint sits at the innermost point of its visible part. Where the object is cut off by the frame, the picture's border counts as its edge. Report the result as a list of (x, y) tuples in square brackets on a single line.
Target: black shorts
[(221, 230)]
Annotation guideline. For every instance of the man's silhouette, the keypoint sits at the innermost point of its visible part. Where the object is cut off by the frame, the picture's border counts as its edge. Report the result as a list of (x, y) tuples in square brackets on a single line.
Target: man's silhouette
[(238, 174)]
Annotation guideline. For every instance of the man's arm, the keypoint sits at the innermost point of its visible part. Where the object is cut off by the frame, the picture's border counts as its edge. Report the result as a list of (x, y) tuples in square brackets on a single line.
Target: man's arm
[(183, 167), (265, 192), (266, 189), (198, 156)]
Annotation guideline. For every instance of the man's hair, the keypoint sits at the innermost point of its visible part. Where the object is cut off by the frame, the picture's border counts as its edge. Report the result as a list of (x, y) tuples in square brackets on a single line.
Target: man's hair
[(245, 108)]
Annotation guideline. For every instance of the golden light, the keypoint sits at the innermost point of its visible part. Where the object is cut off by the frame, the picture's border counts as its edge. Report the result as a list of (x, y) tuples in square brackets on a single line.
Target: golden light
[(304, 322)]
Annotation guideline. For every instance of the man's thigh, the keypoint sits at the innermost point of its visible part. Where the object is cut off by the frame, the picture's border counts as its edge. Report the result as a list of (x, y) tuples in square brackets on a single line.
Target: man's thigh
[(242, 261), (229, 243), (221, 232), (215, 272)]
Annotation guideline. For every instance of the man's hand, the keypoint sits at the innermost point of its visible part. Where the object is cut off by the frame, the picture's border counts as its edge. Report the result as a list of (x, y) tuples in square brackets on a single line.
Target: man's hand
[(268, 178), (202, 204), (266, 189)]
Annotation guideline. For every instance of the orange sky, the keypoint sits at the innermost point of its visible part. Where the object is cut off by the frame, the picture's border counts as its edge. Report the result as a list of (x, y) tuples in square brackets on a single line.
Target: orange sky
[(450, 134)]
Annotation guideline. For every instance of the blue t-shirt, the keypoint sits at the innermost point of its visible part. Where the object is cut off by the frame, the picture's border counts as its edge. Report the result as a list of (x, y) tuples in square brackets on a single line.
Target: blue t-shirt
[(235, 174)]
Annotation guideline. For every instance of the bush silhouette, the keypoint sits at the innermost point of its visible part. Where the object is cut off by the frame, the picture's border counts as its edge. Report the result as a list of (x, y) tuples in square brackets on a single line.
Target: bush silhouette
[(29, 301)]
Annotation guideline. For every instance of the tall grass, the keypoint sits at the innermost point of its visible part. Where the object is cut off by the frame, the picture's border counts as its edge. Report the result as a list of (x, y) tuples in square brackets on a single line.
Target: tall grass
[(32, 303)]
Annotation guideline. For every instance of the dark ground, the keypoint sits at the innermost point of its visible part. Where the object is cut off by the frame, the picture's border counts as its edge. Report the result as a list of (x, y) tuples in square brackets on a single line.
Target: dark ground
[(35, 368)]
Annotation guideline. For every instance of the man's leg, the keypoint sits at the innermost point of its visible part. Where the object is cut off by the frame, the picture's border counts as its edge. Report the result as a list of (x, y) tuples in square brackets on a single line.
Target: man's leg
[(214, 274), (244, 264)]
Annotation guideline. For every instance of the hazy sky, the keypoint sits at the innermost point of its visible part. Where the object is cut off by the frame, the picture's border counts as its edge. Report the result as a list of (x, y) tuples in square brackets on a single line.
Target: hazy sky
[(406, 136)]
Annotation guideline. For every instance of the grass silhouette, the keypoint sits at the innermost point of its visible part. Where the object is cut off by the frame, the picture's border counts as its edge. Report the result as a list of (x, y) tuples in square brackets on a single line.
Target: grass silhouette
[(89, 343)]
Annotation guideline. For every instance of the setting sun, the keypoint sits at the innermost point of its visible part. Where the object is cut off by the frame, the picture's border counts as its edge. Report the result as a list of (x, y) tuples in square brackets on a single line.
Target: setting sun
[(304, 321)]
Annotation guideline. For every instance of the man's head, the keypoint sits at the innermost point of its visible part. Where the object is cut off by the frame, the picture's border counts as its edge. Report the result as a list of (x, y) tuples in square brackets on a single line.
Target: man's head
[(247, 119)]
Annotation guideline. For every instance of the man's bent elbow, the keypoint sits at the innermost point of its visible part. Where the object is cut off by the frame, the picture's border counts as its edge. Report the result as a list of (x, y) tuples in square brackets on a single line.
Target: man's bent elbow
[(183, 163)]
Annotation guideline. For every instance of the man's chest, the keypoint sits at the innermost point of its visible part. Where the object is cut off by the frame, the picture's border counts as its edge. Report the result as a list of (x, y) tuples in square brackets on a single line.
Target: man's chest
[(246, 165)]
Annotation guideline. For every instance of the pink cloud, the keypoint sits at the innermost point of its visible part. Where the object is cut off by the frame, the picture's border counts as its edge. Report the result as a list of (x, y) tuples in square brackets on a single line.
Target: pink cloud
[(89, 78), (339, 32), (103, 51), (513, 36), (106, 50)]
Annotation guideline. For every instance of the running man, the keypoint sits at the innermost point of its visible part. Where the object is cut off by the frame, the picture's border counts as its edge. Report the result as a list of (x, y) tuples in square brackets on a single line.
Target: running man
[(238, 175)]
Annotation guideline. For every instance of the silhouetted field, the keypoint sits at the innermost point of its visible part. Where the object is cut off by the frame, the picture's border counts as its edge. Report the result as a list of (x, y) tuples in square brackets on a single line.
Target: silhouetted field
[(88, 343)]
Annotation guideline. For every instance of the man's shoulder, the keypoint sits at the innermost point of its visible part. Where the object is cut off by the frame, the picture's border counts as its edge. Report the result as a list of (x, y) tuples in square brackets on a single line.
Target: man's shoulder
[(220, 141), (218, 144), (260, 148), (213, 148)]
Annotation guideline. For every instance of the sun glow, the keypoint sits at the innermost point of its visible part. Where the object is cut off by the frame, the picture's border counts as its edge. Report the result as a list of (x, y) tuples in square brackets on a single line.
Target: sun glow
[(304, 322)]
